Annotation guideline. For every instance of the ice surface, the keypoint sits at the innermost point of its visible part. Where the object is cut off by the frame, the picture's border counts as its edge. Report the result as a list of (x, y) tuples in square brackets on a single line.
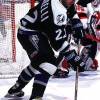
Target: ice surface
[(63, 89)]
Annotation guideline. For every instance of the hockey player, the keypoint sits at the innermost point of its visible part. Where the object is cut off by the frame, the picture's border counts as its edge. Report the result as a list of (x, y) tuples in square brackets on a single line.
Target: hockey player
[(91, 64), (93, 24), (41, 30), (90, 47)]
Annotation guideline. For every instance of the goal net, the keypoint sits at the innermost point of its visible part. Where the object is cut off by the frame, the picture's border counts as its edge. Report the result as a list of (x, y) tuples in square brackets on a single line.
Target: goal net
[(12, 57)]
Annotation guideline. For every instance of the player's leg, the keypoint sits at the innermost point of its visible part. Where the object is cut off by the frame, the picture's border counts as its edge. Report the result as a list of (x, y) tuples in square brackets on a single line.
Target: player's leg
[(24, 78), (28, 73), (46, 63), (41, 80), (39, 86)]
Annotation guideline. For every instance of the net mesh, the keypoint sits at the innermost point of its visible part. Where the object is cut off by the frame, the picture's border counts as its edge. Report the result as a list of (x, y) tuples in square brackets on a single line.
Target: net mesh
[(12, 57)]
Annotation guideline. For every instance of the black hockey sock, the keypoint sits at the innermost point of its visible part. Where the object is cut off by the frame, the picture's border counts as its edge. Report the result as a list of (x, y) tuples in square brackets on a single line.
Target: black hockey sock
[(24, 78), (39, 86)]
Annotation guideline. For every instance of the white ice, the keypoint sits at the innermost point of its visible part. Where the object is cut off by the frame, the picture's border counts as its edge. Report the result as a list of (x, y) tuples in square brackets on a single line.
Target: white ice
[(63, 89)]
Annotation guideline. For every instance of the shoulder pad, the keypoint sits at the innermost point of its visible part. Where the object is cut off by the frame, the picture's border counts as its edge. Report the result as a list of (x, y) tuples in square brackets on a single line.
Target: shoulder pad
[(59, 13)]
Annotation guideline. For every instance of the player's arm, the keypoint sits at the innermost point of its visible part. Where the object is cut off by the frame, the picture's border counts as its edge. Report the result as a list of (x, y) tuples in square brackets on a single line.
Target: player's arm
[(29, 21), (84, 2), (71, 56)]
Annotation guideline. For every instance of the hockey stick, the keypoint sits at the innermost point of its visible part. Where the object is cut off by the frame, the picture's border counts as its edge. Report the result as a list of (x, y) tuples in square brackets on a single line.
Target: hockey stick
[(77, 74)]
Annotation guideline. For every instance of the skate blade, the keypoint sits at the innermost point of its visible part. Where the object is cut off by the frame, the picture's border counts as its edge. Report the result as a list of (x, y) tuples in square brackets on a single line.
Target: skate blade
[(38, 99), (12, 96)]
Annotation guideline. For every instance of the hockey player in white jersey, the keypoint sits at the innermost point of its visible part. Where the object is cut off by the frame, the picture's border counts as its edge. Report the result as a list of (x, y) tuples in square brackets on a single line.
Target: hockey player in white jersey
[(90, 47), (42, 29), (93, 10)]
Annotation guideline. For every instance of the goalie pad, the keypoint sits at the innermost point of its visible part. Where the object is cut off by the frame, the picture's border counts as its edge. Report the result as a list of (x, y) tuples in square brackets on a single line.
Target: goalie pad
[(91, 64)]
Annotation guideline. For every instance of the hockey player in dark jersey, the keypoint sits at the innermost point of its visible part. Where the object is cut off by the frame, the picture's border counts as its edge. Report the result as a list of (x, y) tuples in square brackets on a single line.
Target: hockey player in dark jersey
[(41, 30)]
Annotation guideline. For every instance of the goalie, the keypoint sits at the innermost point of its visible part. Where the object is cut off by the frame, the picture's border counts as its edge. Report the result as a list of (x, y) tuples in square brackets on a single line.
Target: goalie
[(89, 47)]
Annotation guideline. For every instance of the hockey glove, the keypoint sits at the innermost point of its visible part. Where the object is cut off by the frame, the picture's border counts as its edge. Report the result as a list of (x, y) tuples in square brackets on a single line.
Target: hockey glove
[(78, 31), (74, 60)]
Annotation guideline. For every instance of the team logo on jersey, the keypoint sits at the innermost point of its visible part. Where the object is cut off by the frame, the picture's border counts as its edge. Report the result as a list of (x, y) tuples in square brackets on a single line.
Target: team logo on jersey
[(60, 19), (34, 39)]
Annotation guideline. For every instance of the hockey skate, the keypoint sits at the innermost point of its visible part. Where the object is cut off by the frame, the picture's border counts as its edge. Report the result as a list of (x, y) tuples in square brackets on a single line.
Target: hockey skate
[(15, 92), (37, 98), (61, 74)]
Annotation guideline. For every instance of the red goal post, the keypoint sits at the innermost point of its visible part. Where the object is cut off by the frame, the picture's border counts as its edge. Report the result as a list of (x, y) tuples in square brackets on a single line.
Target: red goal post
[(12, 56)]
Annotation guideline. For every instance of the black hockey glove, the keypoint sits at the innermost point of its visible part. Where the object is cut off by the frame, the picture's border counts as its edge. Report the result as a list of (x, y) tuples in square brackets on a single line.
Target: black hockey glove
[(84, 2), (78, 31), (74, 60)]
